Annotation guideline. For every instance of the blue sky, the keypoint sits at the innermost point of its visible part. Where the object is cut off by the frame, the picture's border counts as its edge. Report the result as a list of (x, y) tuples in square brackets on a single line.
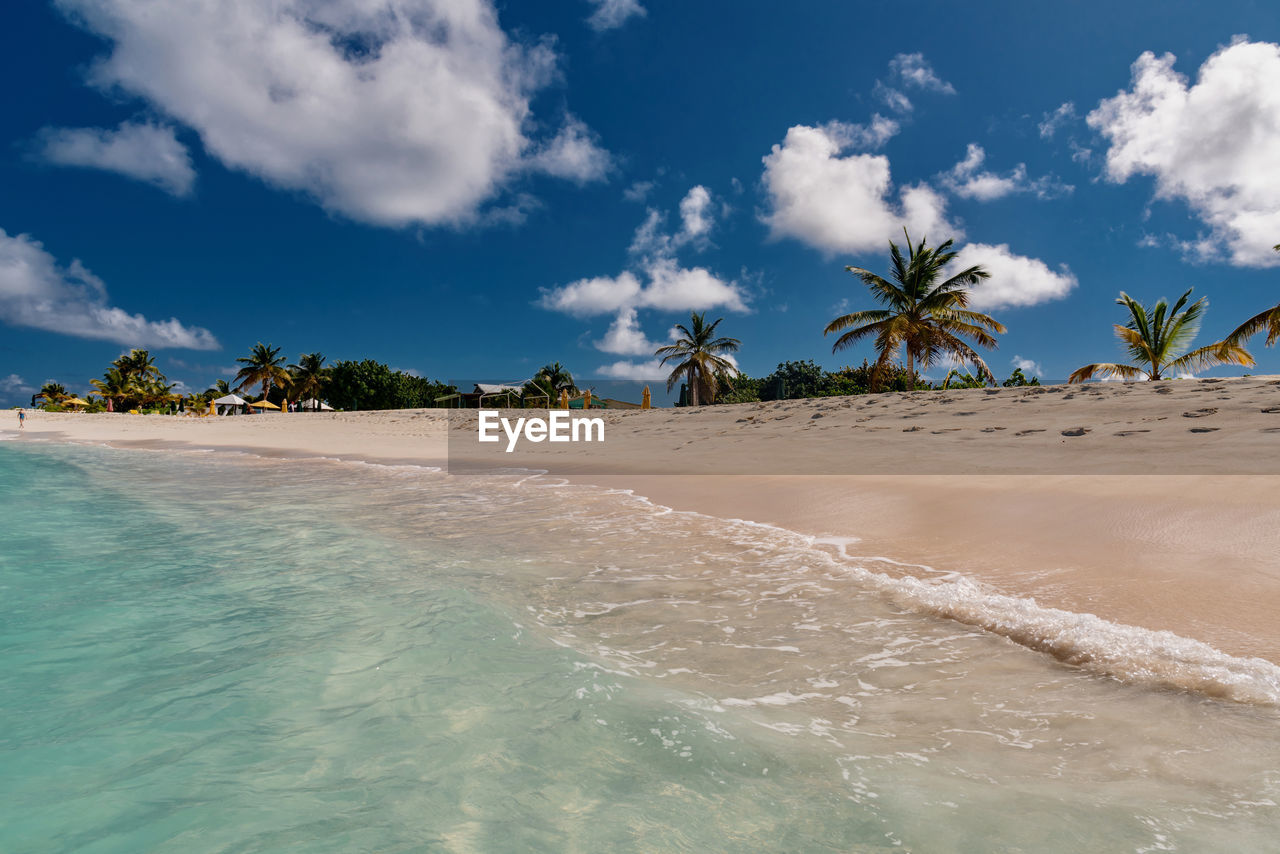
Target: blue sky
[(467, 190)]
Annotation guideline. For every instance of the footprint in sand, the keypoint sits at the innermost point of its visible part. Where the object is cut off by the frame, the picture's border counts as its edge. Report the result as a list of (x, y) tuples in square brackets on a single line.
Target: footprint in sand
[(993, 429), (1075, 431), (1203, 429), (1131, 432), (1269, 430), (964, 413), (1201, 413), (1164, 390), (945, 430), (912, 429), (1271, 409), (1028, 432)]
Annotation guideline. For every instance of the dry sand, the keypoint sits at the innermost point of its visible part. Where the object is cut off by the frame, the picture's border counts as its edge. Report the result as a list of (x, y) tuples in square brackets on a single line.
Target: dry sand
[(1151, 504)]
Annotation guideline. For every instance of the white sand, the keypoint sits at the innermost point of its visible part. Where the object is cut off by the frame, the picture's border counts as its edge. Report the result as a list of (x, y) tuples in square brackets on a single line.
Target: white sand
[(1163, 513)]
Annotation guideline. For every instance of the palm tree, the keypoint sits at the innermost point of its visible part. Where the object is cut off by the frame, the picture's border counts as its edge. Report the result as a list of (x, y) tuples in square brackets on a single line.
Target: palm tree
[(1157, 337), (308, 377), (138, 363), (50, 392), (1269, 319), (116, 386), (555, 377), (697, 352), (924, 313), (265, 365)]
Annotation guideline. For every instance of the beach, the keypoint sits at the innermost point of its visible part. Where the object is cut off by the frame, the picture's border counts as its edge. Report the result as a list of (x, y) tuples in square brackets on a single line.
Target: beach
[(1152, 505), (217, 622)]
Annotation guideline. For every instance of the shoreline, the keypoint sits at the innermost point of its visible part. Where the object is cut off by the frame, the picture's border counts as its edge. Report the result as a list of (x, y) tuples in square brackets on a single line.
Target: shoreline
[(1192, 554)]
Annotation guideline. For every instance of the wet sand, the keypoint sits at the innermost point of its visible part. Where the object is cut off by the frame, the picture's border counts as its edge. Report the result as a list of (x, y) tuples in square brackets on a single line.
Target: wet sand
[(1137, 503)]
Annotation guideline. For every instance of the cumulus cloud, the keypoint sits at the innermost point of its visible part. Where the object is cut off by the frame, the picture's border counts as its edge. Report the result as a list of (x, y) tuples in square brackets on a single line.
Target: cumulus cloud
[(1211, 144), (36, 292), (573, 154), (15, 385), (1065, 114), (843, 203), (969, 180), (638, 191), (667, 286), (1016, 280), (147, 152), (1027, 366), (628, 370), (695, 213), (625, 337), (909, 71), (654, 280), (611, 14), (394, 113)]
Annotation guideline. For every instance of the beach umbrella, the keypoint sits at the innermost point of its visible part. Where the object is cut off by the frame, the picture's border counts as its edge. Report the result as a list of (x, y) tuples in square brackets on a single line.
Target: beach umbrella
[(564, 398), (75, 401), (263, 404), (586, 399), (645, 401), (212, 410)]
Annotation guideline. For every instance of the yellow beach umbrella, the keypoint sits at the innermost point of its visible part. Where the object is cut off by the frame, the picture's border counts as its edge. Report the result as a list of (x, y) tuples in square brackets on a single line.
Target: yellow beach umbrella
[(264, 404), (212, 410), (75, 401), (646, 402)]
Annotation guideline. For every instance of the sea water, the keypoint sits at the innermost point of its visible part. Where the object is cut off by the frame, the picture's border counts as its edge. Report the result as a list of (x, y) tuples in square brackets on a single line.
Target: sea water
[(205, 652)]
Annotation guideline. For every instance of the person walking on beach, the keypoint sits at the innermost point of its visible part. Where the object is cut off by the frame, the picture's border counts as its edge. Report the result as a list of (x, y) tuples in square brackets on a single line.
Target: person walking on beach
[(22, 419)]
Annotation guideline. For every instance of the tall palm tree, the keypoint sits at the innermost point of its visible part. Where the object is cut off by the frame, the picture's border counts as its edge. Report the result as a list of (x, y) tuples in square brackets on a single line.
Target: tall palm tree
[(697, 352), (308, 377), (50, 392), (924, 313), (116, 386), (265, 365), (555, 377), (1268, 319), (1158, 338), (220, 388), (138, 363)]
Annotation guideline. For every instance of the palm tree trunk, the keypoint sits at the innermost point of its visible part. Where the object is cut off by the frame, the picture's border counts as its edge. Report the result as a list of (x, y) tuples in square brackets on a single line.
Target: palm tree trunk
[(693, 387), (911, 369)]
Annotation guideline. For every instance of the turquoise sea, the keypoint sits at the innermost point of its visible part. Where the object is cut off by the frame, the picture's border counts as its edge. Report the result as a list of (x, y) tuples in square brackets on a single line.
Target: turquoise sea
[(211, 652)]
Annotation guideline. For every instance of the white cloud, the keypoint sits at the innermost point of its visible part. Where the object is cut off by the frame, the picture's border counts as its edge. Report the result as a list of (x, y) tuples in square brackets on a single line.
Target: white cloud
[(36, 292), (1065, 114), (597, 295), (667, 287), (1016, 280), (695, 216), (625, 337), (912, 69), (967, 181), (1212, 144), (843, 204), (14, 384), (1027, 366), (573, 154), (656, 281), (639, 191), (147, 152), (626, 370), (909, 71), (610, 14), (394, 112), (866, 137)]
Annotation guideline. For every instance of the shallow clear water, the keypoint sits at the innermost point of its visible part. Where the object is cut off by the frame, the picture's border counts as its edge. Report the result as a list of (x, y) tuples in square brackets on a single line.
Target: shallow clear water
[(213, 653)]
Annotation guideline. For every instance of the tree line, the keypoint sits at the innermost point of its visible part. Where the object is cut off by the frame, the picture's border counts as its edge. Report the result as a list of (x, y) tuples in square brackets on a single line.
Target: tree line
[(924, 316)]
